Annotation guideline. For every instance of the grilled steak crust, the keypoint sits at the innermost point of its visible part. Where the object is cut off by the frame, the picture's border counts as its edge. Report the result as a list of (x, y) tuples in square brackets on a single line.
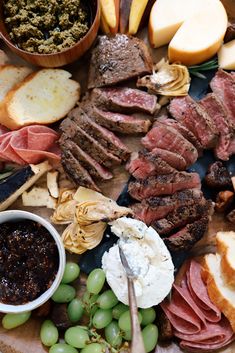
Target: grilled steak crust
[(76, 172), (118, 58), (166, 137), (124, 100), (173, 159), (188, 236), (88, 143), (106, 138), (193, 117), (145, 164), (218, 177), (163, 185)]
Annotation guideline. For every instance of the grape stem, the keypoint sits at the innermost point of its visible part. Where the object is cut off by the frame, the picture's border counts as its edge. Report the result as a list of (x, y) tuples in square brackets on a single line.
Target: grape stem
[(99, 339)]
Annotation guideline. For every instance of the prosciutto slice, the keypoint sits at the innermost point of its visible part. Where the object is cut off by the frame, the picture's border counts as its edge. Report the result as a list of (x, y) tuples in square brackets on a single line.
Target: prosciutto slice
[(30, 144)]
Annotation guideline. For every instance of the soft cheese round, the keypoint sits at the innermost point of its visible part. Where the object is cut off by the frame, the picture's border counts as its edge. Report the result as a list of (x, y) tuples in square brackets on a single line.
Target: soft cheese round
[(147, 256)]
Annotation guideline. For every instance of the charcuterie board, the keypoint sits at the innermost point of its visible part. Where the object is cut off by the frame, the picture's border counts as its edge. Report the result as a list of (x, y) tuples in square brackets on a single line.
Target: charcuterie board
[(25, 339)]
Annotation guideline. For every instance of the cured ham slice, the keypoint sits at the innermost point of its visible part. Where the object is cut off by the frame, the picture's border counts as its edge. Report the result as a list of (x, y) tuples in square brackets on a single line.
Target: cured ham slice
[(30, 144)]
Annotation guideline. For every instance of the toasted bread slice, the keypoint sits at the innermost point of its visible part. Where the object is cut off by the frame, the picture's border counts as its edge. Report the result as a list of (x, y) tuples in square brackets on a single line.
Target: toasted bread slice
[(220, 293), (10, 75), (226, 249), (44, 97)]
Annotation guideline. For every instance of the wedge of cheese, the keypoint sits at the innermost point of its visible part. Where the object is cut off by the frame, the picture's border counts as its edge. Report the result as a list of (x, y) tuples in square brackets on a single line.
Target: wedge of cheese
[(226, 56), (226, 247)]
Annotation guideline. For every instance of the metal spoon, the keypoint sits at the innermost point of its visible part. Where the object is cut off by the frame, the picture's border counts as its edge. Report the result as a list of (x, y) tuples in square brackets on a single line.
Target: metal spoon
[(137, 344)]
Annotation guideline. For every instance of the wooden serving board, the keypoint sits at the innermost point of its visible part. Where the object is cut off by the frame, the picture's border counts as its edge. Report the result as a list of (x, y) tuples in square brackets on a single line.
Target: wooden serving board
[(25, 339)]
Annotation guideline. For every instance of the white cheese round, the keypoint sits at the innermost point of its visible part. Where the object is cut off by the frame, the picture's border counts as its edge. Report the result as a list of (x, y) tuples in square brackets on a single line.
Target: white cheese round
[(148, 258)]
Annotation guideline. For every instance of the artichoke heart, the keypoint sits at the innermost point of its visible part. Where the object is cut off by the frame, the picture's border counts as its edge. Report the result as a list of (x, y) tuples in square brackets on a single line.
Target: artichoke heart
[(64, 212)]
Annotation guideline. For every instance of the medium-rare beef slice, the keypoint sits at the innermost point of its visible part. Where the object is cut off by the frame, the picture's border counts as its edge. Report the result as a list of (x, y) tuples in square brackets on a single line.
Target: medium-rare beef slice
[(166, 137), (187, 237), (163, 185), (125, 124), (223, 85), (93, 167), (145, 164), (218, 114), (76, 172), (181, 216), (118, 58), (193, 117), (173, 159), (158, 207), (124, 100), (88, 144), (105, 137), (218, 176)]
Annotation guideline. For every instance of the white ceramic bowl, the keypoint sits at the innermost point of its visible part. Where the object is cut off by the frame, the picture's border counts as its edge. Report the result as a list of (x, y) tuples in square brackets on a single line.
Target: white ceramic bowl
[(12, 216)]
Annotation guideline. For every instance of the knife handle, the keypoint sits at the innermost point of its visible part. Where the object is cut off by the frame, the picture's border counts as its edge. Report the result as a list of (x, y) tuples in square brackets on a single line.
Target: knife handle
[(137, 344)]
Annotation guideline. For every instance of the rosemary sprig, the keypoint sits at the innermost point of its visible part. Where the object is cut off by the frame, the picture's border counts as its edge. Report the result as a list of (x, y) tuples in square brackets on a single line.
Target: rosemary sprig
[(196, 70)]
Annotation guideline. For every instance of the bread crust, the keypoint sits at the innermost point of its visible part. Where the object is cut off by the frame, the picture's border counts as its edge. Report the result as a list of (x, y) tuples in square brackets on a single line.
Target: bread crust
[(223, 249)]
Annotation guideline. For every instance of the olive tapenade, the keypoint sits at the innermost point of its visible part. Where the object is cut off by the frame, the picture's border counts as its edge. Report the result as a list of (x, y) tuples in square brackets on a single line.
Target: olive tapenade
[(46, 26), (29, 261)]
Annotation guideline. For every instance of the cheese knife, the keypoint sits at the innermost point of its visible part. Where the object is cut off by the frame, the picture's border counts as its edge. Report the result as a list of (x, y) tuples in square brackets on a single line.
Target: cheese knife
[(137, 343)]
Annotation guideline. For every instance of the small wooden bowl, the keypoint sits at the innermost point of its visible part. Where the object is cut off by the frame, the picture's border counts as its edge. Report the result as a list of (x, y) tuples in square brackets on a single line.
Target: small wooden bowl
[(64, 57)]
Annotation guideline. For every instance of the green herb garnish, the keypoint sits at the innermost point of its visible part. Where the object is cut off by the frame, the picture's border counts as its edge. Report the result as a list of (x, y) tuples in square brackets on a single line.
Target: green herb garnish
[(208, 65)]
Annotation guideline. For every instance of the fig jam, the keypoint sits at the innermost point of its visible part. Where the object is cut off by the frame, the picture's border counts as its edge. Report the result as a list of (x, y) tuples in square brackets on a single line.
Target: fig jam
[(29, 261)]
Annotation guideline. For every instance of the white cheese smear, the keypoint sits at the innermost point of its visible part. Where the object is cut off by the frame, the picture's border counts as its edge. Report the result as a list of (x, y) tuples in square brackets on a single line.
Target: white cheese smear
[(147, 256)]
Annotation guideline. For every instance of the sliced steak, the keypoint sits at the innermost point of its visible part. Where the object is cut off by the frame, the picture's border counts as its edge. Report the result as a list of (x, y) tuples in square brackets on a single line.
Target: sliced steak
[(93, 167), (145, 164), (218, 177), (181, 216), (166, 137), (124, 100), (163, 185), (218, 114), (187, 237), (105, 137), (231, 148), (118, 58), (125, 124), (223, 85), (76, 172), (173, 159), (158, 207), (193, 117), (88, 143)]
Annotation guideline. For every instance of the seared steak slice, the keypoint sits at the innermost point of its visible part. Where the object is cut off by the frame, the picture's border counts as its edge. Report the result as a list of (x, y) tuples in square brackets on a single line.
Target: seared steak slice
[(173, 159), (125, 124), (223, 85), (118, 58), (190, 114), (181, 216), (146, 164), (124, 100), (76, 172), (166, 137), (93, 167), (163, 185), (105, 137), (88, 143), (218, 177), (231, 149), (158, 207), (185, 239), (218, 114)]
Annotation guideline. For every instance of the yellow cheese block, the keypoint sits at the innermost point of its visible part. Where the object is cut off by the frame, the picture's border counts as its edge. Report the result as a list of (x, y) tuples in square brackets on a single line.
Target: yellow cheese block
[(226, 56), (200, 37)]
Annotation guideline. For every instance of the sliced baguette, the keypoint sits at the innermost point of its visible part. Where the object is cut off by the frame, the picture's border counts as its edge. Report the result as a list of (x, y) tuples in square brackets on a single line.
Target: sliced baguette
[(220, 293), (44, 97), (226, 249)]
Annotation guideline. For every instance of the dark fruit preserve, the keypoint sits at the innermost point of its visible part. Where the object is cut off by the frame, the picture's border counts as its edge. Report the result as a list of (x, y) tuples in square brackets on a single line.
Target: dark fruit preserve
[(29, 261)]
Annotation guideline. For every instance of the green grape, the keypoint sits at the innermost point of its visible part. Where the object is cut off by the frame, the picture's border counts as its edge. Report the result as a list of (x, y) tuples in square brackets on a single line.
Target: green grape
[(93, 348), (107, 300), (76, 336), (150, 337), (148, 316), (71, 272), (124, 321), (102, 318), (49, 334), (10, 321), (95, 281), (113, 334), (118, 310), (127, 335), (62, 348), (64, 294), (75, 310)]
